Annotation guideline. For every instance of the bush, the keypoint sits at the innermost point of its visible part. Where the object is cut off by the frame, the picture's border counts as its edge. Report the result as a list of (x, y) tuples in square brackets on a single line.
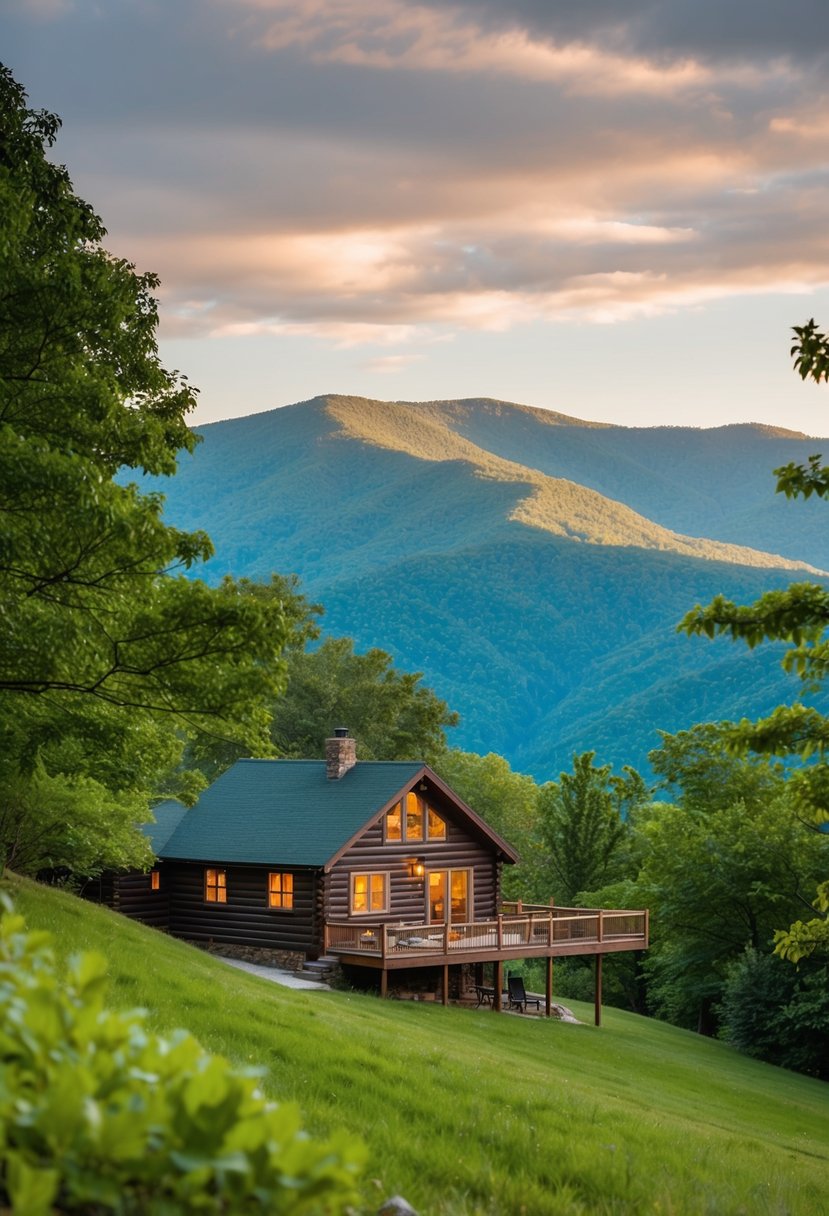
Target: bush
[(778, 1013), (98, 1115)]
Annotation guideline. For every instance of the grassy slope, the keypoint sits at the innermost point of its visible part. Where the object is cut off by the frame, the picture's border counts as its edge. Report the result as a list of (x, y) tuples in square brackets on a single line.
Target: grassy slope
[(467, 1113)]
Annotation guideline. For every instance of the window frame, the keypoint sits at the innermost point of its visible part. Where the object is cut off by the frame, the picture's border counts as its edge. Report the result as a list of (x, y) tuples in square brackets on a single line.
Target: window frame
[(427, 810), (369, 874), (220, 885), (469, 870), (282, 893)]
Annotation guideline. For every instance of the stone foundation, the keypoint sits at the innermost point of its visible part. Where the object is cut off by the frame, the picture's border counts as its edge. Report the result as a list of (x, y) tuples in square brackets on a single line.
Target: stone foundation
[(288, 960)]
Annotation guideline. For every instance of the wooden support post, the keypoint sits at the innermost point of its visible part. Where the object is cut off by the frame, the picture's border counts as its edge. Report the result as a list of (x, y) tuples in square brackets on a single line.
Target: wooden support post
[(549, 991), (499, 983), (445, 992), (598, 998), (384, 982)]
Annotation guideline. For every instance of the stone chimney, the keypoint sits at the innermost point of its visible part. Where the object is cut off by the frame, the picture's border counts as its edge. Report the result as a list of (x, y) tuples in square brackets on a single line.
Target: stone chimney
[(340, 753)]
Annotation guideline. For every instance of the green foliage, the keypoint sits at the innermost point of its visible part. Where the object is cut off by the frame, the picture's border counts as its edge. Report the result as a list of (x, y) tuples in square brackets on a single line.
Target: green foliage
[(719, 870), (810, 352), (389, 712), (778, 1013), (798, 616), (71, 823), (508, 801), (110, 656), (583, 825), (99, 1114), (90, 576), (804, 939), (697, 770)]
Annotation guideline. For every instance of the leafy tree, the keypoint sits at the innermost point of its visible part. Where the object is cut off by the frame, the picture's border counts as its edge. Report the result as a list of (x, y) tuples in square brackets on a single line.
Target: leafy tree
[(716, 882), (696, 769), (583, 824), (777, 1013), (508, 801), (390, 713), (95, 601), (110, 657), (719, 868), (798, 616)]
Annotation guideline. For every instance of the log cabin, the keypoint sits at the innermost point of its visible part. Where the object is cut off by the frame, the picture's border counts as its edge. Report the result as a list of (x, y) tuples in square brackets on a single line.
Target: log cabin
[(379, 865)]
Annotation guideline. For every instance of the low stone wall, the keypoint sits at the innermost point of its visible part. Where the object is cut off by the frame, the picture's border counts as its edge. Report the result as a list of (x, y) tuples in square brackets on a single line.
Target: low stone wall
[(289, 960)]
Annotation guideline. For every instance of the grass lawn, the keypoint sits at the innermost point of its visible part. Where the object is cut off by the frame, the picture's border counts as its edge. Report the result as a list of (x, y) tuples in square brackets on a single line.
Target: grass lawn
[(466, 1112)]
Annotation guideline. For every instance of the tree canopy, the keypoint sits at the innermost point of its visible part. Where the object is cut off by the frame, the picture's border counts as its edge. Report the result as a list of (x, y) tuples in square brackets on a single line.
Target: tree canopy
[(798, 616), (91, 579), (582, 822), (97, 608)]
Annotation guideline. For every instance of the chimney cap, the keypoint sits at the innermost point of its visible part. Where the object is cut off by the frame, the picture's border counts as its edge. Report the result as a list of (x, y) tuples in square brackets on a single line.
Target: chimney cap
[(340, 732)]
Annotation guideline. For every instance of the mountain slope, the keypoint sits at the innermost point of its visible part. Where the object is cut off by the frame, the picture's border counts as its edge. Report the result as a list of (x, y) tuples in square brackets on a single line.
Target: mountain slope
[(543, 610)]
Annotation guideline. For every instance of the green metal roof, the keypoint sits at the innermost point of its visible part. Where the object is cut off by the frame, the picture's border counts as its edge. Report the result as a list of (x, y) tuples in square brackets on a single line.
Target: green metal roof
[(167, 815), (285, 812)]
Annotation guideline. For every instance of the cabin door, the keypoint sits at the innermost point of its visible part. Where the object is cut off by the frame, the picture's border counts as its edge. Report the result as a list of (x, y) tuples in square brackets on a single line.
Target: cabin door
[(449, 888)]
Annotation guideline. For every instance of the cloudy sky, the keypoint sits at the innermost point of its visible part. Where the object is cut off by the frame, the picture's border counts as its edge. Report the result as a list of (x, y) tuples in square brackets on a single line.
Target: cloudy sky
[(612, 208)]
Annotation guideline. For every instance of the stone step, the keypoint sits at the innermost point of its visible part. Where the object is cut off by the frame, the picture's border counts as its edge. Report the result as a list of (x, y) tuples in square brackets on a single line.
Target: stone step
[(318, 968)]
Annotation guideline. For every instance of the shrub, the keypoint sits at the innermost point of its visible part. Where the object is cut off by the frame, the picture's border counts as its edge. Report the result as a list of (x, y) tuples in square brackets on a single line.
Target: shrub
[(778, 1013), (98, 1115)]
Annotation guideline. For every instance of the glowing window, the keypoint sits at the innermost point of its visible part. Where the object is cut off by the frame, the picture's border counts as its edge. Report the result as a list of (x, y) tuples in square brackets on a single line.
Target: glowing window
[(369, 893), (417, 823), (155, 880), (215, 886), (394, 823), (414, 817), (280, 890), (437, 826)]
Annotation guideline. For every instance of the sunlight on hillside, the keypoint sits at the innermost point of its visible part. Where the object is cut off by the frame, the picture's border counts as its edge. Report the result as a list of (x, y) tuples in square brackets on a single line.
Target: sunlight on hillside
[(553, 504)]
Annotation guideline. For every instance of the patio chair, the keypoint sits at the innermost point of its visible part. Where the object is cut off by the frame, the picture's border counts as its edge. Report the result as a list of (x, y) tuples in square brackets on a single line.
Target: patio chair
[(518, 998)]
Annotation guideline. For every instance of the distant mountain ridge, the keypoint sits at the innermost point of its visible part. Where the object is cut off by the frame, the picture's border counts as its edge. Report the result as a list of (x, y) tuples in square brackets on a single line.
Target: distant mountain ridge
[(531, 565)]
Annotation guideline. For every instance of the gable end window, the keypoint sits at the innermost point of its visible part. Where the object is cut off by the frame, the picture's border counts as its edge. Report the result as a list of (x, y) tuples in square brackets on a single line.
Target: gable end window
[(369, 894), (280, 890), (412, 820), (215, 886)]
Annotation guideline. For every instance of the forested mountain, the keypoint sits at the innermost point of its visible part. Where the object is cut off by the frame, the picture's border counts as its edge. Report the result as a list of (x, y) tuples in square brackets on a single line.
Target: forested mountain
[(531, 565)]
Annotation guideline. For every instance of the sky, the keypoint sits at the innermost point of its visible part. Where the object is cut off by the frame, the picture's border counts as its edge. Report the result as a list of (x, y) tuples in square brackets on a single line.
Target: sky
[(616, 209)]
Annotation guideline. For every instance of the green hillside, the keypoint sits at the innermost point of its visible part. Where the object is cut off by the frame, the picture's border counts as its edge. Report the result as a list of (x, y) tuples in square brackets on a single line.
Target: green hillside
[(715, 483), (467, 1113), (541, 610)]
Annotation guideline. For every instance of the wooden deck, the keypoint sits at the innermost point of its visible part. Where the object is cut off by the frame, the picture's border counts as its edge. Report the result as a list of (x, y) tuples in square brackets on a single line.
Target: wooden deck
[(521, 931)]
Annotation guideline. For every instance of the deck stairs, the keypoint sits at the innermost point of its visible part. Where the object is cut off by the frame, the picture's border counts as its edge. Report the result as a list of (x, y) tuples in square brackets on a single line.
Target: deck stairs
[(319, 969)]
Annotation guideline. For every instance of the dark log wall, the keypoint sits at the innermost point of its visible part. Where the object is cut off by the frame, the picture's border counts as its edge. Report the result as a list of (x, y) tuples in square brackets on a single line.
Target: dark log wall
[(408, 896), (132, 894), (245, 919)]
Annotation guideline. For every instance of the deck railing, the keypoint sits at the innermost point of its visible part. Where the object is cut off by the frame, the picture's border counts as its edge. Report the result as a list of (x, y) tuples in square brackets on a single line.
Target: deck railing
[(536, 927)]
